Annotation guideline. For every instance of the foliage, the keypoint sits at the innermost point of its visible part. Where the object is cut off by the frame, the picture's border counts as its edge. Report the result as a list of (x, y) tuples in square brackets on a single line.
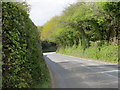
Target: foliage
[(48, 46), (23, 65), (103, 53), (49, 28), (88, 25), (83, 23)]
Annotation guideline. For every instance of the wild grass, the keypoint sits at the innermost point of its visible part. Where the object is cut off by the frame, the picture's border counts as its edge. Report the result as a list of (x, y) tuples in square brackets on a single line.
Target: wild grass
[(102, 53), (46, 80), (45, 84)]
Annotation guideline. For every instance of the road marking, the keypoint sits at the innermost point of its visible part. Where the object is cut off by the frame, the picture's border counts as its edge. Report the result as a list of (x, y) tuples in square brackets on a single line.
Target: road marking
[(110, 71)]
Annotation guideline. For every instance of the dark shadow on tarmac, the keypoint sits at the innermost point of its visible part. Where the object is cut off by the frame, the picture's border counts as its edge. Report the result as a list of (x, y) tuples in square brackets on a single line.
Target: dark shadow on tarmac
[(67, 73)]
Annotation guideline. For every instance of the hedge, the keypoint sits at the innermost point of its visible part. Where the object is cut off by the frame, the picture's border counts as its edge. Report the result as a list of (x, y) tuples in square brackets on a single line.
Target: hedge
[(23, 65)]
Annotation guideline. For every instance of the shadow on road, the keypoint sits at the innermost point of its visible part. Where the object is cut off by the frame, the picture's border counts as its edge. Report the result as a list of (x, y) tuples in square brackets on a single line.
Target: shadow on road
[(77, 76)]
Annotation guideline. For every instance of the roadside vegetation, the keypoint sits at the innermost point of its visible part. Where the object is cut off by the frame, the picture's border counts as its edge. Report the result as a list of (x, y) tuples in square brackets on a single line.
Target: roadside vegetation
[(89, 30), (48, 46), (23, 63), (103, 53), (0, 44)]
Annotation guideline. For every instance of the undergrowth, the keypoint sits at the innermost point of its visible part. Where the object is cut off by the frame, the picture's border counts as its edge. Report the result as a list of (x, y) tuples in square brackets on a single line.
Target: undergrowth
[(103, 53)]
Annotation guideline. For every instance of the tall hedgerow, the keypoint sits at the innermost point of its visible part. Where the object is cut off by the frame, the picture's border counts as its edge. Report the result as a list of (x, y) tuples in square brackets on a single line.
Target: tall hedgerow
[(23, 65)]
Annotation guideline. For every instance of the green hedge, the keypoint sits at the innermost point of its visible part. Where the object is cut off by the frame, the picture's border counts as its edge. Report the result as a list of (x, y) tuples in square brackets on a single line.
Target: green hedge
[(23, 65)]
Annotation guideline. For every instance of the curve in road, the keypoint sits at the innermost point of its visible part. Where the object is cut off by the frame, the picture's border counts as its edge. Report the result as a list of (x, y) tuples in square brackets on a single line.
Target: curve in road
[(72, 72)]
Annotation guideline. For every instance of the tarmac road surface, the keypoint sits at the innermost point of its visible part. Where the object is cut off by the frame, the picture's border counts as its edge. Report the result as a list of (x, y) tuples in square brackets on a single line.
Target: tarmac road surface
[(72, 72)]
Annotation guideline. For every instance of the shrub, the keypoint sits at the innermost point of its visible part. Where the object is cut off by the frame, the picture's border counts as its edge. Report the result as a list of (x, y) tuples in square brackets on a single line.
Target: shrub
[(23, 65)]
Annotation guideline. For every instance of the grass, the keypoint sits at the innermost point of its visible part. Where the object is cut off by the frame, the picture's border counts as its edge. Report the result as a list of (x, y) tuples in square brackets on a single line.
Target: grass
[(0, 51), (46, 79), (0, 64), (103, 53), (45, 84)]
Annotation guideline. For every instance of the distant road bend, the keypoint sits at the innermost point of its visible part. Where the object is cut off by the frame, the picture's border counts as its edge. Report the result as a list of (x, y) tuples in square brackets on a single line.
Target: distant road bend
[(73, 72)]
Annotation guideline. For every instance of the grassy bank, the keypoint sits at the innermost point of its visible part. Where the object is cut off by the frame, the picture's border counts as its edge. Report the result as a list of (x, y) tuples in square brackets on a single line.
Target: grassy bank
[(103, 53), (46, 80)]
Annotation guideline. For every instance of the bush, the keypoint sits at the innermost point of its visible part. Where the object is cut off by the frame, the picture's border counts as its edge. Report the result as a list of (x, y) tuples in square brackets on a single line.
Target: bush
[(23, 65)]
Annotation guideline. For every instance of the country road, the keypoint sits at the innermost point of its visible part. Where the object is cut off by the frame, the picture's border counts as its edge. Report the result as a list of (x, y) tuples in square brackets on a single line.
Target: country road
[(72, 72)]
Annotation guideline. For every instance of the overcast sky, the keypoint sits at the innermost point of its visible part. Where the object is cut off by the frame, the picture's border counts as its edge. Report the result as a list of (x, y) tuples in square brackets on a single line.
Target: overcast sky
[(44, 10)]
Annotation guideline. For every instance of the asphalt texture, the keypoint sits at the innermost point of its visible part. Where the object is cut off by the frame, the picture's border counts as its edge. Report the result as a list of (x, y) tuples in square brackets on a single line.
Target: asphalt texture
[(72, 72)]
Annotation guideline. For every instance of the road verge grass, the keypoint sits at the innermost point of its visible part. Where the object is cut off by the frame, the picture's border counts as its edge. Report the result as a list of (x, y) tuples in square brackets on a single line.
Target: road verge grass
[(101, 53), (46, 79)]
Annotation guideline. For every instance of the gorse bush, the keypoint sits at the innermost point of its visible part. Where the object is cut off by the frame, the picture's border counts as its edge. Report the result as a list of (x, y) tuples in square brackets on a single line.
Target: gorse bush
[(23, 65)]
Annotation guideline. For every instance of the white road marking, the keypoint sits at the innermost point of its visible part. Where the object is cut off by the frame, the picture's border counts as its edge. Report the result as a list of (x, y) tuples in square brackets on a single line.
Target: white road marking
[(110, 71)]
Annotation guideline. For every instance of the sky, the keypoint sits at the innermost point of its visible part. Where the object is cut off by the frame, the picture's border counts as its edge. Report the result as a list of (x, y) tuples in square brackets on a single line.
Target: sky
[(43, 10)]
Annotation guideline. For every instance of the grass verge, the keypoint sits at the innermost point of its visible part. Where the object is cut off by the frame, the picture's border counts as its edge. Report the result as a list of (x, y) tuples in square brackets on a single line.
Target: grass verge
[(103, 53), (46, 79)]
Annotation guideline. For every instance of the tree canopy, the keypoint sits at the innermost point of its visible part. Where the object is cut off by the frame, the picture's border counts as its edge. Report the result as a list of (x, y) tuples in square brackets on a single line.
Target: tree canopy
[(84, 23)]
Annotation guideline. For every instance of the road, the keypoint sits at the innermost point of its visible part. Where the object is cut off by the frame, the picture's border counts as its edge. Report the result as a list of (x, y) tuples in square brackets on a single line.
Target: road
[(72, 72)]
